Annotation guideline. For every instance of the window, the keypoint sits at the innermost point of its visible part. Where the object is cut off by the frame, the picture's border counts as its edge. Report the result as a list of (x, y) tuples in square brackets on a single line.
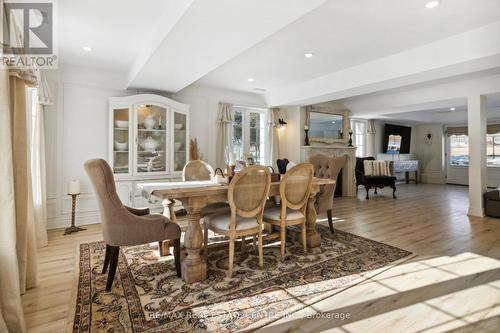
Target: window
[(359, 136), (249, 133), (459, 150), (493, 150)]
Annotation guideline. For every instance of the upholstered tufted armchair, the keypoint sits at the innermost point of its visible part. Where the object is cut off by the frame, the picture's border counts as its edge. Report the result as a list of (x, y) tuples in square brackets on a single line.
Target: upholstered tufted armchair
[(327, 167), (125, 226)]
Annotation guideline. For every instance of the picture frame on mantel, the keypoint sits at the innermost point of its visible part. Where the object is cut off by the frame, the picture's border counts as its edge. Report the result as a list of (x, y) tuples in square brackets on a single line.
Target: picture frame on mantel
[(334, 109)]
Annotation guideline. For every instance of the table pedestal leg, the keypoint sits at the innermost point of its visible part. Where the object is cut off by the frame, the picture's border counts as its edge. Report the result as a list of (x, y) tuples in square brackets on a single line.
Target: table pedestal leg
[(313, 237), (194, 267), (168, 211)]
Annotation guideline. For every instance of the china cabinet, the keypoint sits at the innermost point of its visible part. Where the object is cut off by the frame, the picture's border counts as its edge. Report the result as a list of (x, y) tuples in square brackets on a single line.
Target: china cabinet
[(148, 139)]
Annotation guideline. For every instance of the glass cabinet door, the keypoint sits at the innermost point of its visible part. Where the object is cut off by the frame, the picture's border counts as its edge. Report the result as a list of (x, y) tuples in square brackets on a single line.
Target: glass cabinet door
[(121, 139), (180, 138), (151, 139)]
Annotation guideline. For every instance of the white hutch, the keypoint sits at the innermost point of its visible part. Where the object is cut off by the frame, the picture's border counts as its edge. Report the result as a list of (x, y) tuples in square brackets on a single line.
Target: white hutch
[(148, 141)]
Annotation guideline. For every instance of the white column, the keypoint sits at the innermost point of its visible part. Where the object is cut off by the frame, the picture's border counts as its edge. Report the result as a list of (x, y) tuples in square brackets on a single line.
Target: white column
[(477, 153)]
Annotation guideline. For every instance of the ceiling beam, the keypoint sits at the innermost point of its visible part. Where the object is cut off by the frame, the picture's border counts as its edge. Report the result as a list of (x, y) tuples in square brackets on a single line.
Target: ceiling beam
[(207, 35), (472, 51)]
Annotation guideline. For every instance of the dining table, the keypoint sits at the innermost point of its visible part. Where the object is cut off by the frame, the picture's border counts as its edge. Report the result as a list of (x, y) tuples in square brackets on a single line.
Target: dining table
[(194, 195)]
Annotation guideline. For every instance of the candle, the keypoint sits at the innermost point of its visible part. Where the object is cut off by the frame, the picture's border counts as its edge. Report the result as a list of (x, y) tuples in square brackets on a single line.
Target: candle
[(74, 187), (306, 127), (232, 158)]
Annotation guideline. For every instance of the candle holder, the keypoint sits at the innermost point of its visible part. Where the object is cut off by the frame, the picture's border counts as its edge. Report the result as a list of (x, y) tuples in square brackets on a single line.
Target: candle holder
[(350, 139), (307, 137), (73, 228)]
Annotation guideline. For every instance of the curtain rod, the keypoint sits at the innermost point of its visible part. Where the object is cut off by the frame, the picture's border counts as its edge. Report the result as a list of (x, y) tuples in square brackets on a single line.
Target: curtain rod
[(249, 106)]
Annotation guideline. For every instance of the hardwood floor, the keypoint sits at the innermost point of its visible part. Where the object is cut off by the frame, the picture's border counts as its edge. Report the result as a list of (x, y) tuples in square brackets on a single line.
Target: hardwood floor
[(452, 285)]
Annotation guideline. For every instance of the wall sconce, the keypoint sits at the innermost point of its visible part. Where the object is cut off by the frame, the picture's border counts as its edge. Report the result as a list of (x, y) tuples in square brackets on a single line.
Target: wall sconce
[(282, 122), (428, 139)]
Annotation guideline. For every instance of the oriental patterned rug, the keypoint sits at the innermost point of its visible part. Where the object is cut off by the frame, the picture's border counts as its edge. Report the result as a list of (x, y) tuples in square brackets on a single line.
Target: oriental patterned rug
[(147, 296)]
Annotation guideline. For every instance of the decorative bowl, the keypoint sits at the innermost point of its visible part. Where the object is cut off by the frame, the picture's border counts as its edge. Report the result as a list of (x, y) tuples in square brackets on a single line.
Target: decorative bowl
[(121, 145), (179, 126), (121, 123), (150, 144), (177, 145)]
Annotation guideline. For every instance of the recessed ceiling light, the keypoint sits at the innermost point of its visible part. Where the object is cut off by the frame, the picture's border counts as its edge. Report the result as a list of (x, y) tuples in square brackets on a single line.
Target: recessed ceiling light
[(432, 4), (452, 109), (308, 55), (87, 48), (251, 79)]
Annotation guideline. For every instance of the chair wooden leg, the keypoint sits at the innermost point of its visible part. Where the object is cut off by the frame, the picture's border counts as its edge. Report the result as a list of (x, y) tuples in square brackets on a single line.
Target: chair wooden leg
[(330, 220), (242, 245), (283, 240), (375, 190), (231, 255), (261, 251), (113, 262), (394, 191), (304, 238), (367, 192), (177, 256), (106, 259)]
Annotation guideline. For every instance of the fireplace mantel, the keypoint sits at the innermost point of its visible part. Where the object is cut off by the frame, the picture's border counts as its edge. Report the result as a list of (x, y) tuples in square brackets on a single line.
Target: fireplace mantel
[(348, 173)]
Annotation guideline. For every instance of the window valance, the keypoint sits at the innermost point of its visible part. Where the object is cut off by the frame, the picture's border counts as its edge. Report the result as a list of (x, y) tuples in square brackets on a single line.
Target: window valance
[(456, 130), (462, 130)]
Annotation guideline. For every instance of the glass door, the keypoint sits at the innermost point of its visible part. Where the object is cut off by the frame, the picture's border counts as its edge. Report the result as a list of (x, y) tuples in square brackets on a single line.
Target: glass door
[(180, 141), (151, 139), (121, 139)]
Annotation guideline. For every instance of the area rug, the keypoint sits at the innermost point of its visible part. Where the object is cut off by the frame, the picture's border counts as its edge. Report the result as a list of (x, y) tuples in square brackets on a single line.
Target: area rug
[(147, 296)]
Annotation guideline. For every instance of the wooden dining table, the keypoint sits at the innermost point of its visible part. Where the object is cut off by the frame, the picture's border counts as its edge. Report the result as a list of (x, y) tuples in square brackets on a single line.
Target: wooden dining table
[(196, 195)]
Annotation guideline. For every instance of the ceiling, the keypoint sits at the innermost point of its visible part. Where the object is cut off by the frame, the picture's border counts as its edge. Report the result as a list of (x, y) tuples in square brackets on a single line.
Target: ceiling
[(443, 114), (345, 33), (358, 47), (114, 29)]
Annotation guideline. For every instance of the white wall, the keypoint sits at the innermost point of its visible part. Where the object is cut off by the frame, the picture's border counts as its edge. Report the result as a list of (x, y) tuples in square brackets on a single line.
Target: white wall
[(431, 156), (77, 130), (291, 135), (379, 139)]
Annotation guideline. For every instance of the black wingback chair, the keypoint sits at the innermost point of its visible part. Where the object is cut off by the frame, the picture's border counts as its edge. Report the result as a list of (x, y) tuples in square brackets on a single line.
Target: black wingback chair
[(282, 163), (372, 181)]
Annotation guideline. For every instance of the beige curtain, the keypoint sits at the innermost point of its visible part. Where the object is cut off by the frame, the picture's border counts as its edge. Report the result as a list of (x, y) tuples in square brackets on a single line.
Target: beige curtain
[(39, 103), (17, 228), (225, 120), (370, 137), (14, 261), (25, 224), (274, 136)]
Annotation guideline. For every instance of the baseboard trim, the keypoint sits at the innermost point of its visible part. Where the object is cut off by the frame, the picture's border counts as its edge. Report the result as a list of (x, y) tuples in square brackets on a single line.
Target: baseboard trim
[(476, 211), (80, 219)]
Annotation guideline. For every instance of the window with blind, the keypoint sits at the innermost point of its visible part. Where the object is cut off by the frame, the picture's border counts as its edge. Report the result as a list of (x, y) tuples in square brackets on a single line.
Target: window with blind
[(459, 150)]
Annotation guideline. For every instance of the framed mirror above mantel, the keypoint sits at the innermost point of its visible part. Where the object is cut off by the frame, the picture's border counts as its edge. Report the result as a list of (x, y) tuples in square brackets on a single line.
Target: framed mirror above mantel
[(328, 123)]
